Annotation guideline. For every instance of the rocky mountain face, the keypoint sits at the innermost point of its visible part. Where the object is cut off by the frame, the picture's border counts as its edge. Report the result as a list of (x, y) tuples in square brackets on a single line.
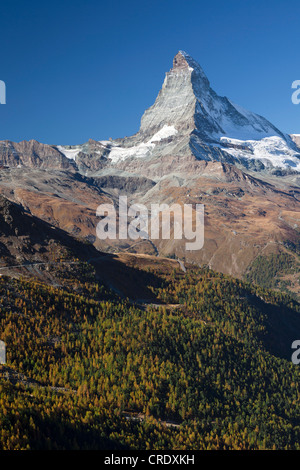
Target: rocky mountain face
[(27, 242), (33, 248), (188, 118), (32, 154), (193, 146)]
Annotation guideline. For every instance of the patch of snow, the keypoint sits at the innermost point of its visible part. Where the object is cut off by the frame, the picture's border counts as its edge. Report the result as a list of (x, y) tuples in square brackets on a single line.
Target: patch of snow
[(138, 151), (71, 154), (106, 142), (246, 132), (143, 149), (273, 149), (164, 133)]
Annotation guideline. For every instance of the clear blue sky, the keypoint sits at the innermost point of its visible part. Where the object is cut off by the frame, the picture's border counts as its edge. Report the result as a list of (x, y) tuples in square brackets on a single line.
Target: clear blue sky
[(77, 69)]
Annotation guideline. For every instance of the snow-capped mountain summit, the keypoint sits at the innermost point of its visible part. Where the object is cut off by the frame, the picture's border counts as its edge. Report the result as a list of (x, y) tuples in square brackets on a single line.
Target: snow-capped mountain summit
[(189, 117), (186, 92), (193, 147)]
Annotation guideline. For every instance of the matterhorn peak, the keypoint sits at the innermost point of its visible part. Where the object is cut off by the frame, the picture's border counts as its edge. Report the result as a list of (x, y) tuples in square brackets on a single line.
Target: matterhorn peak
[(179, 61), (183, 61), (190, 118)]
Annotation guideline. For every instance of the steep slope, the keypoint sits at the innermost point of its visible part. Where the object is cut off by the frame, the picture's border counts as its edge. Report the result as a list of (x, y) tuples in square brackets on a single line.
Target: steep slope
[(210, 368), (189, 118), (33, 247), (193, 146), (69, 200), (245, 217), (32, 154)]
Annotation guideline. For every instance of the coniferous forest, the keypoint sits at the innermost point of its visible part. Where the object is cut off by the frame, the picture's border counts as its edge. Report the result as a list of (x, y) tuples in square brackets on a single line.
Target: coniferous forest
[(207, 366)]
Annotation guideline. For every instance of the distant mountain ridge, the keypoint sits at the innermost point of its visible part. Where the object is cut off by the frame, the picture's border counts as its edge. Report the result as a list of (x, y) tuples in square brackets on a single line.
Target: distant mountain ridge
[(188, 118), (193, 147)]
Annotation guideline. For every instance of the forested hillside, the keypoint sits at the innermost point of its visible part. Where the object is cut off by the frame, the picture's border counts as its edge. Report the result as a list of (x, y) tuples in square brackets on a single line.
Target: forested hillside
[(206, 367)]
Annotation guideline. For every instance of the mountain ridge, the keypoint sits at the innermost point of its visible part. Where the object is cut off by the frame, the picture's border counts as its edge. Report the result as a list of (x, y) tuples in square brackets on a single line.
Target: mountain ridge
[(180, 155), (187, 118)]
